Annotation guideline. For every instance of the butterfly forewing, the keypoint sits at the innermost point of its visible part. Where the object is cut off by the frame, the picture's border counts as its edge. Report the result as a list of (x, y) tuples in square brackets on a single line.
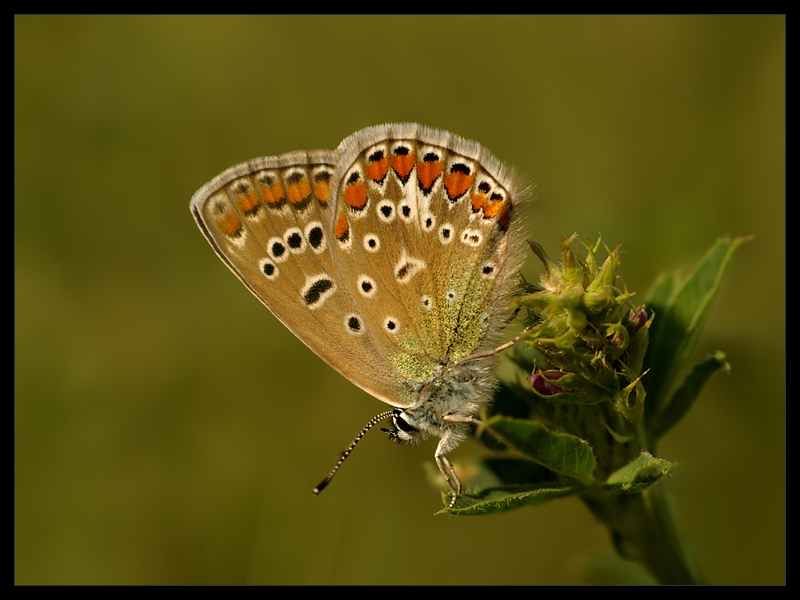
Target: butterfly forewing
[(268, 221)]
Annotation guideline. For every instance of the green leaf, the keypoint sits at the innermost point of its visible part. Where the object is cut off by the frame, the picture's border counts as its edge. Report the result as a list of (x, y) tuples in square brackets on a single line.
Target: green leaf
[(501, 499), (480, 473), (661, 293), (560, 452), (678, 322), (684, 397), (639, 474)]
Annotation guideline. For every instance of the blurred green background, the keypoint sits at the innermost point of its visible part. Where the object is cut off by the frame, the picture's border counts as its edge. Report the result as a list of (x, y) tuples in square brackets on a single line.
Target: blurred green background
[(153, 446)]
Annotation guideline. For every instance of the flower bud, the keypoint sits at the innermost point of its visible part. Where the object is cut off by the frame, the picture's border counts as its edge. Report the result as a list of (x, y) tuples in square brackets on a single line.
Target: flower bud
[(572, 388), (638, 318), (542, 382), (585, 328), (617, 338)]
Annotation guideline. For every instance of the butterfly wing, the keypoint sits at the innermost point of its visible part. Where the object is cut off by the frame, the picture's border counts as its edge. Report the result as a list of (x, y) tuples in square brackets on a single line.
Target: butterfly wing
[(268, 220), (421, 237), (387, 257)]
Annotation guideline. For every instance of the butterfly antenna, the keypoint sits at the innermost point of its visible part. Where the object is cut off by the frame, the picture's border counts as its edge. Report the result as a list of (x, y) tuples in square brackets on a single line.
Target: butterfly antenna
[(381, 417)]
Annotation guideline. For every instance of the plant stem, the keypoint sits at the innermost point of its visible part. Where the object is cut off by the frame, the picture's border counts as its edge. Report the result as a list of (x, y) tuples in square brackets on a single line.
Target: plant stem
[(643, 529)]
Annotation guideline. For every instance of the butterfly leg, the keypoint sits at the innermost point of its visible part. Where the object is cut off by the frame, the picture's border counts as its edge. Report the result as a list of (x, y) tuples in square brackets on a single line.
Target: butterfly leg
[(479, 427), (493, 351), (448, 471)]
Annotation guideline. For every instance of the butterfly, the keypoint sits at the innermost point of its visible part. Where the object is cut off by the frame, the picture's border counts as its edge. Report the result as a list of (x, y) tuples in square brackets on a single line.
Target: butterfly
[(391, 257)]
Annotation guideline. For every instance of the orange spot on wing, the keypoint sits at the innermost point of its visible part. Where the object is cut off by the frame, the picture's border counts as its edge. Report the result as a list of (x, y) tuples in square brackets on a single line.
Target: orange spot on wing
[(230, 225), (403, 164), (355, 195), (299, 191), (376, 170), (457, 184), (342, 230), (273, 195), (321, 190), (428, 172), (478, 201), (493, 207), (248, 204)]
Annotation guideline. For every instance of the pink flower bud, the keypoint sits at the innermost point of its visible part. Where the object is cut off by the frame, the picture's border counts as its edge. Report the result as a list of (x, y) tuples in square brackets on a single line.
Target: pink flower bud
[(540, 383), (638, 318)]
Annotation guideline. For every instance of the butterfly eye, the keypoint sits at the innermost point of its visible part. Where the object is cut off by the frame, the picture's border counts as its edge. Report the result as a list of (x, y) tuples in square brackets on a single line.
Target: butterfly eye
[(402, 424), (403, 432)]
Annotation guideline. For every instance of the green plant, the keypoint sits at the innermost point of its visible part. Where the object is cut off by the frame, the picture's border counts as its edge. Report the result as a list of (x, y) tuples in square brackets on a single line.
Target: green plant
[(596, 388)]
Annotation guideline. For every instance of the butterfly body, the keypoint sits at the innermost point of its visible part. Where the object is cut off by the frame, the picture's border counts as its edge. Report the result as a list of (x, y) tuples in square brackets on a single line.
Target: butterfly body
[(390, 257)]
